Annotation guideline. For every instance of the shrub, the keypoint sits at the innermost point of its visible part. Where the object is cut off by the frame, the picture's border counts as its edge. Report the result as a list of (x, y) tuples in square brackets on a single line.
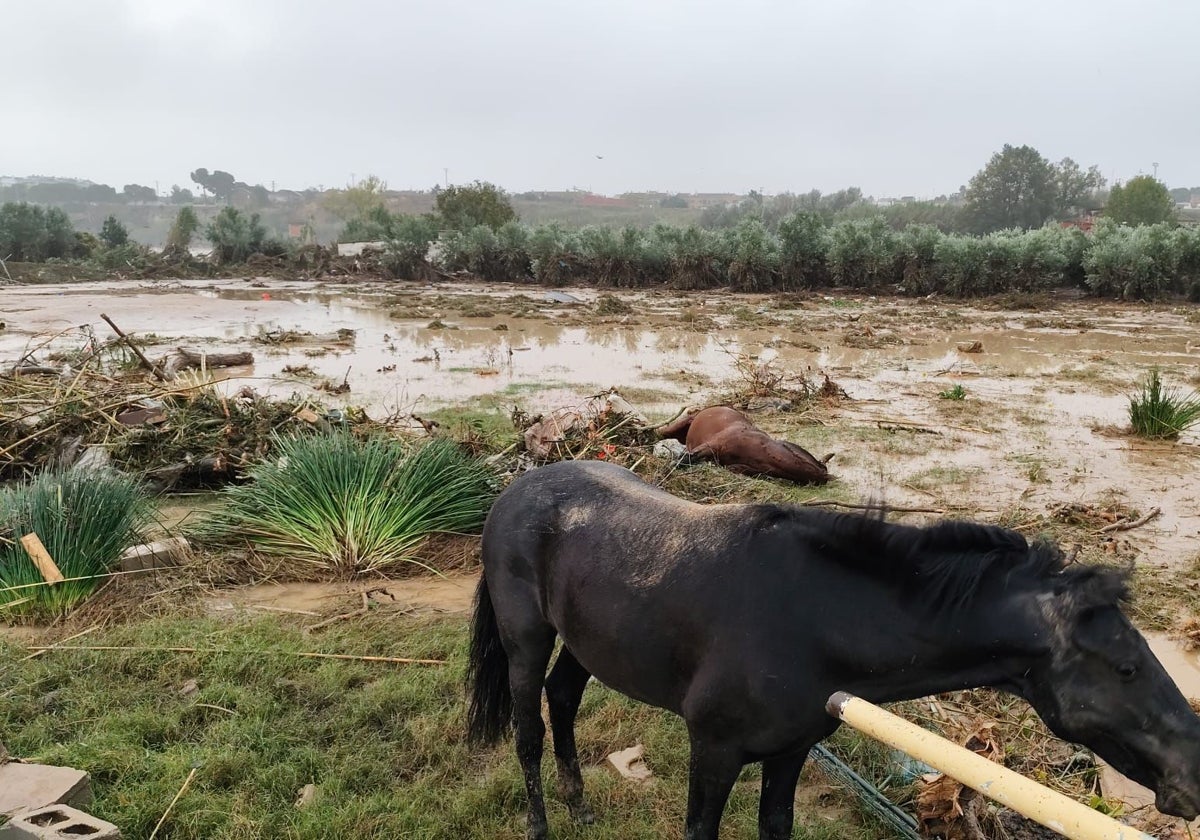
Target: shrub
[(186, 223), (408, 244), (29, 233), (85, 520), (235, 236), (114, 234), (1160, 412), (338, 505)]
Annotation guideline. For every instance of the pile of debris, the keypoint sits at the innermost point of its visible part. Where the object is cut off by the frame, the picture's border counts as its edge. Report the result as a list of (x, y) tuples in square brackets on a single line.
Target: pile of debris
[(605, 427), (180, 433)]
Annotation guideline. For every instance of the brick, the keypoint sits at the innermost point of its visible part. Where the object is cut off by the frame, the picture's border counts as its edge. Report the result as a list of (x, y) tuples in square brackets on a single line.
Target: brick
[(58, 822), (27, 786)]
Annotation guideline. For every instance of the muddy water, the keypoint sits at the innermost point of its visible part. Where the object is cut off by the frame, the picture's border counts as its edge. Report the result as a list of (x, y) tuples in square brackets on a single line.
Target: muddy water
[(1032, 431)]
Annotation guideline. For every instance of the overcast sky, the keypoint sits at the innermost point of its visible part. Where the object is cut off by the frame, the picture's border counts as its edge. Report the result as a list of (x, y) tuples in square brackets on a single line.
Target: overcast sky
[(898, 98)]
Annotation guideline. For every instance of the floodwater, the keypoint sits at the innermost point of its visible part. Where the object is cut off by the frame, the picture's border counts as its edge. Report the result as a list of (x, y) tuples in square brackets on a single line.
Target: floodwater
[(1039, 426)]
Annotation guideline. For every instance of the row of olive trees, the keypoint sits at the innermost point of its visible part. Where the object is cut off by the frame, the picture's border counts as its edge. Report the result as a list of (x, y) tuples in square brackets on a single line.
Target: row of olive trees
[(805, 253)]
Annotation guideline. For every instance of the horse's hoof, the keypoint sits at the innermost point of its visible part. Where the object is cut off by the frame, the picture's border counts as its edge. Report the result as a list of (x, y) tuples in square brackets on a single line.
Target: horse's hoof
[(583, 815)]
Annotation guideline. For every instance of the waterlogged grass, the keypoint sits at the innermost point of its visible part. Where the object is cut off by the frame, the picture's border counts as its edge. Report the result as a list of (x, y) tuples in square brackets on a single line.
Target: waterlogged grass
[(383, 743), (1160, 412)]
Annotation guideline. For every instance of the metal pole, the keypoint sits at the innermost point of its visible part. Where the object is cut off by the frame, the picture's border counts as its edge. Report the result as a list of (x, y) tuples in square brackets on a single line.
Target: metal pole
[(1049, 808)]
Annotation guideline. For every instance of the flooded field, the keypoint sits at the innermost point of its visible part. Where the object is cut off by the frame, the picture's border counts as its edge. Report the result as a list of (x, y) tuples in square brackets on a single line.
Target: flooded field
[(1039, 422)]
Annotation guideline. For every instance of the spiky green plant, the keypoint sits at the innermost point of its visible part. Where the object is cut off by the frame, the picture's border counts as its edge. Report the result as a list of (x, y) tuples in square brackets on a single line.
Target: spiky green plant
[(957, 393), (1161, 412), (84, 519), (340, 505)]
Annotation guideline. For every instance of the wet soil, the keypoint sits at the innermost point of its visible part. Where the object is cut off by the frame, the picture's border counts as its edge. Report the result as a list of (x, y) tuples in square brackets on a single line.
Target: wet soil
[(1039, 424)]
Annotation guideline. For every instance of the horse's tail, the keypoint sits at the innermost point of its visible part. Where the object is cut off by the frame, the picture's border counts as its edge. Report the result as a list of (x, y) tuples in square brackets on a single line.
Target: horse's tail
[(491, 707)]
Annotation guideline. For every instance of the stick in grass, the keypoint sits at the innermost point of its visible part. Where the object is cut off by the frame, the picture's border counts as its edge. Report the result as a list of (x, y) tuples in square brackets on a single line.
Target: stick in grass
[(397, 660), (170, 807)]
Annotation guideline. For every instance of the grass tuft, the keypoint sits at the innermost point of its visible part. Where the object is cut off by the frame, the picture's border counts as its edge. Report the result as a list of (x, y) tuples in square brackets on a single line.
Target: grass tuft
[(85, 520), (1160, 412), (335, 504), (957, 393)]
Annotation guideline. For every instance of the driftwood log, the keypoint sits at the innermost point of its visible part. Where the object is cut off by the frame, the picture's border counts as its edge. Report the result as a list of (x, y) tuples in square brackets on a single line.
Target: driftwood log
[(184, 358)]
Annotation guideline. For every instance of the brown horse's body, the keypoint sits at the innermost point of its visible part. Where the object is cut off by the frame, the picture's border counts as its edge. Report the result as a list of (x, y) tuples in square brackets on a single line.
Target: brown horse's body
[(733, 441)]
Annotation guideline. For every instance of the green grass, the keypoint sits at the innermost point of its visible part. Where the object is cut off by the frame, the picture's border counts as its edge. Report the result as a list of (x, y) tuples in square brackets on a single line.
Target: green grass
[(336, 504), (1162, 413), (84, 519), (383, 743), (957, 393)]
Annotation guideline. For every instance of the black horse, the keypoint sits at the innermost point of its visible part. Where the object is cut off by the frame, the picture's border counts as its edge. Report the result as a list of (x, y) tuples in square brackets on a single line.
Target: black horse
[(744, 619)]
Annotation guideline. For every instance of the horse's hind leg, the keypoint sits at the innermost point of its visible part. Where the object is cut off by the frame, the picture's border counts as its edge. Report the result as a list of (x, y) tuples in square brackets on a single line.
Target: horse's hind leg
[(564, 691), (528, 655)]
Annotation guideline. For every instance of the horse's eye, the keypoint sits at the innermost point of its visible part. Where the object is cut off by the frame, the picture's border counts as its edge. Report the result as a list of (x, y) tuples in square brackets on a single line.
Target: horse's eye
[(1126, 670)]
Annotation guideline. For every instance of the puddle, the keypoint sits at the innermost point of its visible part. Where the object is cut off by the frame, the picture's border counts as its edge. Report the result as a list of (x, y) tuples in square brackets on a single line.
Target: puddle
[(452, 594)]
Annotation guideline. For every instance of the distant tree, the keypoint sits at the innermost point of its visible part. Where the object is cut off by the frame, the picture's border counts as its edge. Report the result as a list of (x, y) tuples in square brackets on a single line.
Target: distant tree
[(200, 177), (113, 234), (100, 194), (179, 238), (1142, 201), (359, 201), (260, 196), (181, 195), (676, 201), (1074, 186), (136, 192), (235, 236), (480, 203), (1017, 189), (217, 182)]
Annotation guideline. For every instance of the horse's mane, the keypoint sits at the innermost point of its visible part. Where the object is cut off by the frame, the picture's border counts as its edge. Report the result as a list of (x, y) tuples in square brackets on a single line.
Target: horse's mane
[(947, 564)]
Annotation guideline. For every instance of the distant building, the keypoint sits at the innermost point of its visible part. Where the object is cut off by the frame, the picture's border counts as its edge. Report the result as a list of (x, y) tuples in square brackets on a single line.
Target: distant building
[(593, 200), (703, 201)]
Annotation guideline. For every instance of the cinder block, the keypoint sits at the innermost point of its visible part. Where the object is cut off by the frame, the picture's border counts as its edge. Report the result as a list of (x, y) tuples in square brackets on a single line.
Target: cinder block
[(156, 555), (58, 822), (24, 787)]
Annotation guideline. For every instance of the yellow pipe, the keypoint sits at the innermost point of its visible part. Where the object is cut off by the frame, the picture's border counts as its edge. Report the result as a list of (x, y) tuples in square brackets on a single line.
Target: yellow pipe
[(1053, 810)]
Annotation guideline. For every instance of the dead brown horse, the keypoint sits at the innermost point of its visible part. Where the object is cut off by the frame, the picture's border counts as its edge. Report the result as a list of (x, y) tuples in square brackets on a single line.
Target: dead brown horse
[(730, 438)]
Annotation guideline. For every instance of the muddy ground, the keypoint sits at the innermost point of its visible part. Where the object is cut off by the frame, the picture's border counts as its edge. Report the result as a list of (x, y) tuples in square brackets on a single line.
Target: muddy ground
[(1038, 425), (1008, 411)]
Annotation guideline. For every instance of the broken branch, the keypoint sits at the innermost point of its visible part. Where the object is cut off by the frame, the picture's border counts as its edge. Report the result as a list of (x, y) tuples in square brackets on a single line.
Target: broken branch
[(1129, 526)]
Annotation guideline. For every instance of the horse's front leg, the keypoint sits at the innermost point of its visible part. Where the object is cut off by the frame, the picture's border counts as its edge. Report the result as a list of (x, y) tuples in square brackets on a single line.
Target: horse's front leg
[(714, 767), (776, 804)]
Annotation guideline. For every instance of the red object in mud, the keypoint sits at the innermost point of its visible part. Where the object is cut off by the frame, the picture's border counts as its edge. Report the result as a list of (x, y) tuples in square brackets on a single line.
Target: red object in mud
[(731, 439), (266, 295)]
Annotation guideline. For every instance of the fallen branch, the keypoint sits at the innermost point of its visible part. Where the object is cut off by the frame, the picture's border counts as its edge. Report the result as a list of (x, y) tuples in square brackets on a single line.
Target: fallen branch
[(1129, 526), (363, 610), (310, 655), (136, 350)]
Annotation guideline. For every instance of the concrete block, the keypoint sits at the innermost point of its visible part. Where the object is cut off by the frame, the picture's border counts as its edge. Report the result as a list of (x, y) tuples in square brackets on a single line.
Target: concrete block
[(27, 786), (57, 822), (156, 555)]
